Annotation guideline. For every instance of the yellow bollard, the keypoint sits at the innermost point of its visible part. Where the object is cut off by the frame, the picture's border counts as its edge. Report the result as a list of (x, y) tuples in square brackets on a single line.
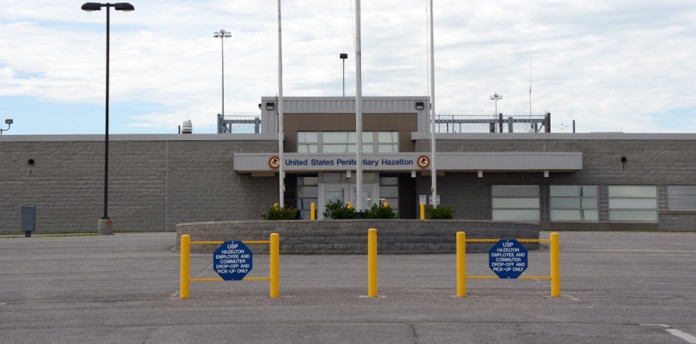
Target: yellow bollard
[(555, 265), (422, 211), (461, 264), (275, 265), (185, 267), (372, 262), (312, 211), (386, 204), (349, 205)]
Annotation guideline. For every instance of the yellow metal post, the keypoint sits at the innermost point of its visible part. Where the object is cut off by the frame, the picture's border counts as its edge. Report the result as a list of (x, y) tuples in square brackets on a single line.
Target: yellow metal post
[(422, 211), (372, 262), (555, 265), (461, 264), (275, 265), (185, 267), (312, 211)]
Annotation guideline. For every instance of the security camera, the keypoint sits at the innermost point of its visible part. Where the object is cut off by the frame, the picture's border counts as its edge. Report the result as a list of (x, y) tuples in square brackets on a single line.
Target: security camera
[(8, 121)]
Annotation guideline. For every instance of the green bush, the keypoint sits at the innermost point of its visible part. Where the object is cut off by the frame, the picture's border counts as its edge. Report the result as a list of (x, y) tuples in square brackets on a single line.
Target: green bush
[(337, 211), (379, 212), (278, 213), (438, 213)]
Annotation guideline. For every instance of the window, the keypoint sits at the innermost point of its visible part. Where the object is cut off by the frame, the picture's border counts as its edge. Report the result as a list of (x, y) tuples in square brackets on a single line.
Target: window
[(387, 141), (681, 197), (632, 203), (307, 142), (344, 142), (515, 202), (573, 203)]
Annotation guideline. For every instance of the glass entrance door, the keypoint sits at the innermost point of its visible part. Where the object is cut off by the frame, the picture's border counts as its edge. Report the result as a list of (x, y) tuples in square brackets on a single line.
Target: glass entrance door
[(370, 195), (346, 193)]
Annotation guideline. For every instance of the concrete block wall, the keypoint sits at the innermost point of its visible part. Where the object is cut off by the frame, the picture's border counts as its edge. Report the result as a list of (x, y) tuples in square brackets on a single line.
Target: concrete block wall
[(350, 236), (154, 182), (203, 186)]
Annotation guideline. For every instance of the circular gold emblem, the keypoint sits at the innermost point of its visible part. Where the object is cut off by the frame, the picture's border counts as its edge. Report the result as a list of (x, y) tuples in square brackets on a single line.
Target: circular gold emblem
[(423, 161), (274, 162)]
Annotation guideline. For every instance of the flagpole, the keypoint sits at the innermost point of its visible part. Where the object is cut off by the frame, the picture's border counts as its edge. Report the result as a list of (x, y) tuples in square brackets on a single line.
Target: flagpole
[(433, 167), (281, 148), (358, 110)]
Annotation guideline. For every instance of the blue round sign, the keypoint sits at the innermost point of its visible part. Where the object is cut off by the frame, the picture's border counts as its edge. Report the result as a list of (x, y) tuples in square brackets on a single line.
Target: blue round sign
[(233, 260), (508, 259)]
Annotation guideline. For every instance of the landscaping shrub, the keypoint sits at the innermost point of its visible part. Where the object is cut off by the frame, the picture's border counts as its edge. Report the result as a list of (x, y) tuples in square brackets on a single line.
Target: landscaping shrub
[(379, 212), (337, 211), (277, 213), (438, 213)]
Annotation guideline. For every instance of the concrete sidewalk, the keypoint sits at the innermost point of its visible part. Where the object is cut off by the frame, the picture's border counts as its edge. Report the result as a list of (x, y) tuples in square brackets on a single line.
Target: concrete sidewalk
[(616, 288)]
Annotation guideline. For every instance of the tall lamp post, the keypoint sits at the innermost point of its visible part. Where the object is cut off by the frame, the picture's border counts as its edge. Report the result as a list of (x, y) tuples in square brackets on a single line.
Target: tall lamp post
[(495, 97), (105, 225), (222, 34), (343, 57), (9, 124)]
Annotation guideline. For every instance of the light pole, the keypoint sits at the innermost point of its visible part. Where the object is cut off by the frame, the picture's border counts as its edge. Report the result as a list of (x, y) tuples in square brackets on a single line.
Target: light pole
[(343, 57), (9, 124), (222, 34), (105, 225), (495, 97)]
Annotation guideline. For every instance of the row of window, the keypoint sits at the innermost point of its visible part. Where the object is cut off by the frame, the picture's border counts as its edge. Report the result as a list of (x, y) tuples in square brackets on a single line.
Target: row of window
[(344, 142), (580, 202)]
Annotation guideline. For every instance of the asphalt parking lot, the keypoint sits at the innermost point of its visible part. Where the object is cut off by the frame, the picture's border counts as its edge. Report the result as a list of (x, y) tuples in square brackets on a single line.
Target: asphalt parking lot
[(616, 288)]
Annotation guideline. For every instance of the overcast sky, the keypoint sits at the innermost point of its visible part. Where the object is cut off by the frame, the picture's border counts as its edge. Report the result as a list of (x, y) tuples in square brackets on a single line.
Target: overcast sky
[(617, 65)]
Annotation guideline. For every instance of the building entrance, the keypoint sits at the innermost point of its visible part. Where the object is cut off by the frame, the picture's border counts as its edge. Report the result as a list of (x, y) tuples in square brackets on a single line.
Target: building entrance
[(325, 187), (346, 193)]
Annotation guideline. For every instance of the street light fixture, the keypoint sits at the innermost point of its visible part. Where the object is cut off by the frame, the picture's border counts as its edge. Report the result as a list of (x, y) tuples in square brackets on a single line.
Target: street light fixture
[(222, 34), (344, 56), (9, 124), (495, 97), (105, 224)]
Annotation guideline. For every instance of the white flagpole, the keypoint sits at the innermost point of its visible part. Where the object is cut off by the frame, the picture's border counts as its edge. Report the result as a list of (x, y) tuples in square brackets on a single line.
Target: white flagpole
[(358, 110), (433, 169), (281, 172)]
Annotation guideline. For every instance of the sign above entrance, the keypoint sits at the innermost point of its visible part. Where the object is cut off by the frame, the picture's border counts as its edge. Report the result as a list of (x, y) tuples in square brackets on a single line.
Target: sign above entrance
[(348, 162), (410, 161), (327, 162)]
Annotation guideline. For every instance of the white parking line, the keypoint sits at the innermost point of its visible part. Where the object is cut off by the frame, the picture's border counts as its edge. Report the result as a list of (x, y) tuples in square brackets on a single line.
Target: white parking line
[(677, 333), (566, 295), (683, 335)]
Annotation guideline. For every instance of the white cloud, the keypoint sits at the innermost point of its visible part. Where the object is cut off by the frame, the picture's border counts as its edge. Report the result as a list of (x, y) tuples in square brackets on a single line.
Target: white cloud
[(608, 65)]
